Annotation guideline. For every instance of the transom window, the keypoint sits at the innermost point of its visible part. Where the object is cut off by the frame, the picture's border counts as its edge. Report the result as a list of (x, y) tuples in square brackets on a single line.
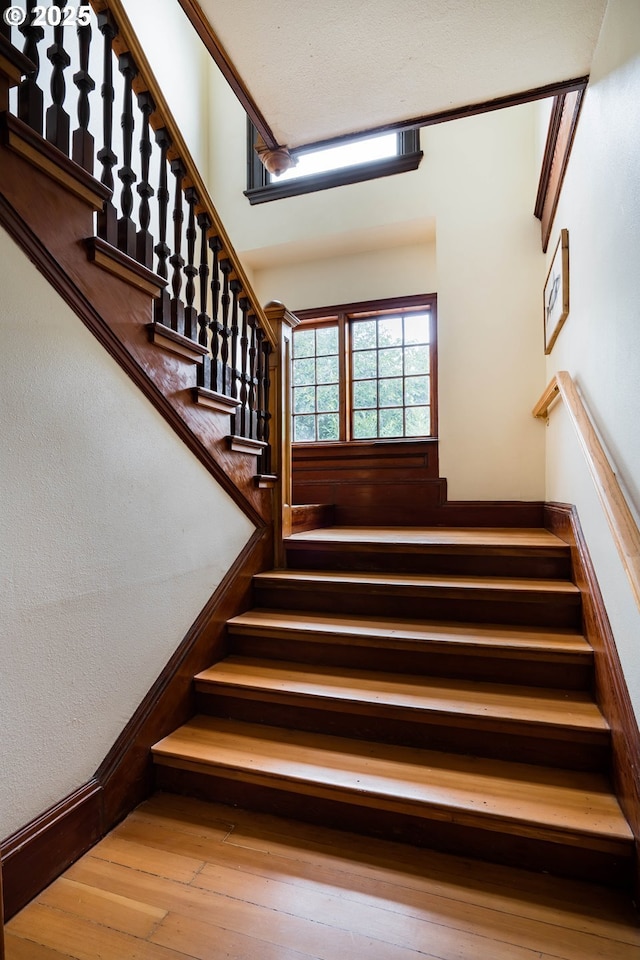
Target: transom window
[(350, 161), (362, 374)]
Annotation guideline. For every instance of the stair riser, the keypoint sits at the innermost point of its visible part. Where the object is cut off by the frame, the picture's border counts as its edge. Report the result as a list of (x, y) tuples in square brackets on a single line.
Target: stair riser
[(533, 670), (508, 607), (478, 736), (555, 567), (563, 859)]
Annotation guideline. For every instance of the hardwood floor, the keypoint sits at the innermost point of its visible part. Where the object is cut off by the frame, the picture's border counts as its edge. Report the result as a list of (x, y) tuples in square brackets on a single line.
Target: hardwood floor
[(184, 879)]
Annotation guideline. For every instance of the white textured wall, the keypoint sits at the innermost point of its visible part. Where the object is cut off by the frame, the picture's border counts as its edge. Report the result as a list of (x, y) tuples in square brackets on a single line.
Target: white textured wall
[(600, 341), (112, 539)]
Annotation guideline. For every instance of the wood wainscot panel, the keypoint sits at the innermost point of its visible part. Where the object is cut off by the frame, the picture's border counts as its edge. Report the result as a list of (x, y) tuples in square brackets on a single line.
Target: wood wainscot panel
[(42, 849), (393, 483), (369, 482), (611, 689)]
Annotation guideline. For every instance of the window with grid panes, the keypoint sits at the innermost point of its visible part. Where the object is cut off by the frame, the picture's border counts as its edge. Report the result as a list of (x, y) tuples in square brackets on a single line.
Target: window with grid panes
[(365, 372)]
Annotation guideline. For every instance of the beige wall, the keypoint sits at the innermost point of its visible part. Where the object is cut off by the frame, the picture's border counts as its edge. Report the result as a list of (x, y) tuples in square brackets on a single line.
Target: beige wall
[(462, 225), (112, 539), (600, 341), (481, 184)]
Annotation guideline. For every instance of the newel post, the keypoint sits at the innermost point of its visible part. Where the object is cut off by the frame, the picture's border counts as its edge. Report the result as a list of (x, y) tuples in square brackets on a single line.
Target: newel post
[(282, 323)]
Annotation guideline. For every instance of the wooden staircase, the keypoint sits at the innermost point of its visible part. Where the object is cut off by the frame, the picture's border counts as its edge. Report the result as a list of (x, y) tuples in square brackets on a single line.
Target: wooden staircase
[(431, 686)]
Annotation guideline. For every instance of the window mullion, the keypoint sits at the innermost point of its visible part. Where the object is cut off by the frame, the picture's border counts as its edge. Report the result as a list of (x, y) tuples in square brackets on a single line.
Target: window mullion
[(345, 376)]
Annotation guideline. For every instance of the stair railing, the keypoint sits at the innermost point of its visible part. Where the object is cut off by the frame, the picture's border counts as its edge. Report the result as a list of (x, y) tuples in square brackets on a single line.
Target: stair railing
[(91, 93), (622, 524)]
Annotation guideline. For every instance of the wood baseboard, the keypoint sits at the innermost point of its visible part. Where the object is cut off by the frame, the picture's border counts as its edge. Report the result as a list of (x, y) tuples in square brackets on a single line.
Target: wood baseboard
[(611, 689), (40, 851)]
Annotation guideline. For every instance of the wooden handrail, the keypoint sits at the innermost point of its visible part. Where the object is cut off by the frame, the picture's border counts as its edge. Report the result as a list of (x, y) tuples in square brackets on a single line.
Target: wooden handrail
[(622, 524), (204, 308), (127, 41)]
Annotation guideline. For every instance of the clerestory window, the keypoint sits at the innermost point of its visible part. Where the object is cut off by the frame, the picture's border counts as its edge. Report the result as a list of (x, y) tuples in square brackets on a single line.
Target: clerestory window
[(318, 168), (366, 371)]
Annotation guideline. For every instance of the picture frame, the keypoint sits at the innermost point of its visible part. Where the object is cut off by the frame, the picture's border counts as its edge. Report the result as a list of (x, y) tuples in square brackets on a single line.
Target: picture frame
[(556, 292)]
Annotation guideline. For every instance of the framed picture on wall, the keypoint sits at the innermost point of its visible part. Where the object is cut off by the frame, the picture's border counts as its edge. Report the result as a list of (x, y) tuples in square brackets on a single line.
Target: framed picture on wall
[(556, 292)]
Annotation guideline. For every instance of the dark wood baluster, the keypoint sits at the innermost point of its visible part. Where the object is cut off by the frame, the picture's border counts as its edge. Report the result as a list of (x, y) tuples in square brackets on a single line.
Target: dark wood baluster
[(191, 270), (204, 368), (108, 216), (243, 372), (260, 384), (58, 120), (162, 306), (265, 458), (83, 142), (215, 246), (177, 261), (30, 96), (235, 288), (127, 233), (144, 240), (225, 331), (252, 380)]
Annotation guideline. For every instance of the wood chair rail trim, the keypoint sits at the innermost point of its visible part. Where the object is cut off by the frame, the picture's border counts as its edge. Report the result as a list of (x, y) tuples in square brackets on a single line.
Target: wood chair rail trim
[(622, 524)]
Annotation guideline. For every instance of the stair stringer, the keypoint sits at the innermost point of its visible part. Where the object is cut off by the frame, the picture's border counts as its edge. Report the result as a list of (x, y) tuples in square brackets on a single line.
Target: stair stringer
[(612, 694), (51, 223)]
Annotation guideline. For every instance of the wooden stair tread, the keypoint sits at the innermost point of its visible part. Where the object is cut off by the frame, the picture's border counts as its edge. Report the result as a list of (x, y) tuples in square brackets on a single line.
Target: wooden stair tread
[(402, 583), (406, 633), (426, 539), (456, 698), (530, 801)]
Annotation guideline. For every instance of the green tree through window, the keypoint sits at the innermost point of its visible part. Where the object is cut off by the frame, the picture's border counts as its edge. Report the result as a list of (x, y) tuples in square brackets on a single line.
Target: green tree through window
[(363, 374)]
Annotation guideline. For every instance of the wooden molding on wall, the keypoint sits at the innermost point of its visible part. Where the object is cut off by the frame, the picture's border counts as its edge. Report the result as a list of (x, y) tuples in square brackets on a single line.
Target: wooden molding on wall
[(562, 128), (611, 689), (458, 113), (206, 33), (40, 851)]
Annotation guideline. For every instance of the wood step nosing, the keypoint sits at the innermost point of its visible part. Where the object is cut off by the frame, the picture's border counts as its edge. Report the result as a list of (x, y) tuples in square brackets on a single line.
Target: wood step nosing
[(595, 733), (503, 593), (502, 649), (429, 810)]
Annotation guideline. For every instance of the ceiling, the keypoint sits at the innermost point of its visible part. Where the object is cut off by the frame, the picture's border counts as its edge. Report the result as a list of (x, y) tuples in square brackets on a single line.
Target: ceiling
[(320, 69)]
